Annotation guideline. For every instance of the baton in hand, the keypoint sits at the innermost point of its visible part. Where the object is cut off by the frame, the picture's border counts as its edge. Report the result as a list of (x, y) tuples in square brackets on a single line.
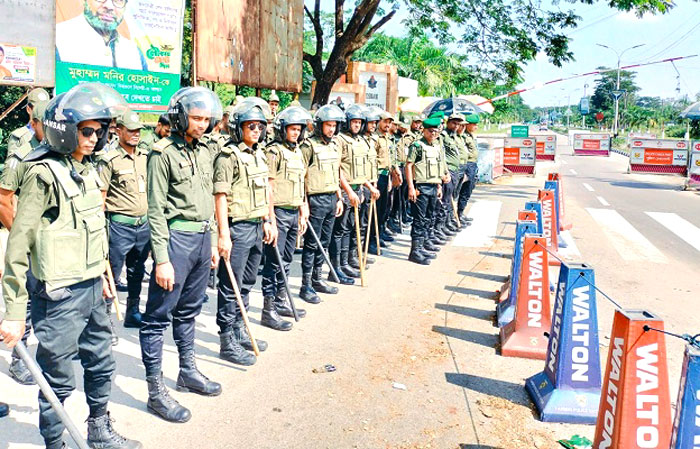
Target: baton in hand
[(113, 290), (241, 306), (280, 263), (325, 255)]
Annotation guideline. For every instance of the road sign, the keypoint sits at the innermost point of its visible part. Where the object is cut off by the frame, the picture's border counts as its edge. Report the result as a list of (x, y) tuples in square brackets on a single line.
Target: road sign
[(584, 106), (599, 116), (521, 131), (616, 94)]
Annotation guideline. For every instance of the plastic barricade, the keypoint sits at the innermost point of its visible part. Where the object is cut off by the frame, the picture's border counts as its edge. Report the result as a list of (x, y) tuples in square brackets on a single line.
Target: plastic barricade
[(591, 144), (519, 155), (664, 156), (546, 147)]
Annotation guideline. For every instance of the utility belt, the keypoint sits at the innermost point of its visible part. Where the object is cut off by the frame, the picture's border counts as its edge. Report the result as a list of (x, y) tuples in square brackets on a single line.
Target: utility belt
[(197, 227), (288, 207), (248, 220), (128, 219)]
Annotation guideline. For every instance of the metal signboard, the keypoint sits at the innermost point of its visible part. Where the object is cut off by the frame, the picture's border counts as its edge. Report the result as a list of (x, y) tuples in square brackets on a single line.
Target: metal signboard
[(255, 43), (519, 131), (27, 42), (591, 144)]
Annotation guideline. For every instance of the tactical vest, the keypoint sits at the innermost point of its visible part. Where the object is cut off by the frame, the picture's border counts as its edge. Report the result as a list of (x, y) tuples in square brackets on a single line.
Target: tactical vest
[(323, 173), (247, 198), (289, 182), (372, 158), (427, 169), (357, 167), (72, 248)]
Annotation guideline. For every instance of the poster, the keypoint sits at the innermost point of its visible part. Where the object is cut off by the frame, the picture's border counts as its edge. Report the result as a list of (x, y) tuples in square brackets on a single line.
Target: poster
[(376, 88), (134, 46), (342, 99), (17, 63)]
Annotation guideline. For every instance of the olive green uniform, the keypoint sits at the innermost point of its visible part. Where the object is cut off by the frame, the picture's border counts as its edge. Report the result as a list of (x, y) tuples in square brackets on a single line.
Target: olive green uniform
[(21, 142), (428, 170), (472, 155)]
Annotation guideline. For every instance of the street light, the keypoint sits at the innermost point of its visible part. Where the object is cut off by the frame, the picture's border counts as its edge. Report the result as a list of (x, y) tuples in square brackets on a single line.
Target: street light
[(617, 98)]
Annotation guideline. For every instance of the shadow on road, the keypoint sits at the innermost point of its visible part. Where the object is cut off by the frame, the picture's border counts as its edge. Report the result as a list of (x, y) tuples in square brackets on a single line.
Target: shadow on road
[(480, 338), (480, 314), (486, 276), (486, 294), (645, 185), (508, 391), (477, 446), (494, 254)]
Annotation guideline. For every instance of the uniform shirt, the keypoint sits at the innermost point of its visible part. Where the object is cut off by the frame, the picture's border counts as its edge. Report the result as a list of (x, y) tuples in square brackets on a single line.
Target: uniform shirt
[(274, 157), (384, 148), (77, 41), (344, 142), (179, 186), (123, 177), (308, 152), (226, 170), (214, 143), (472, 149), (147, 141), (37, 203), (415, 153), (19, 145), (404, 144), (451, 148)]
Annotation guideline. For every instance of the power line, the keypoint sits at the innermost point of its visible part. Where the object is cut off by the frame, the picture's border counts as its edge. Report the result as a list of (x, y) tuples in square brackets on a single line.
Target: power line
[(674, 44)]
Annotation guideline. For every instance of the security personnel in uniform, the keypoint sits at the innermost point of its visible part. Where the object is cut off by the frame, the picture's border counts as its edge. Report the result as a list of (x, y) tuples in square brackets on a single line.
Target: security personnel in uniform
[(370, 192), (423, 175), (245, 217), (60, 225), (180, 217), (324, 199), (20, 136), (385, 168), (460, 138), (18, 149), (123, 175), (468, 185), (451, 147), (398, 203), (286, 173), (274, 103), (355, 173)]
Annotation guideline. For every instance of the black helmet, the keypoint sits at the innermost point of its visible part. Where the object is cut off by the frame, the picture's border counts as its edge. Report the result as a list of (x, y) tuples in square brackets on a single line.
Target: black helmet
[(87, 101), (353, 112), (186, 100), (328, 113), (251, 109), (296, 115)]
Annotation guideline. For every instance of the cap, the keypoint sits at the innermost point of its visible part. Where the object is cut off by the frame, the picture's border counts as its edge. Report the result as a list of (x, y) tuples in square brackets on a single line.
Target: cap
[(418, 118), (274, 97), (473, 119), (456, 116), (36, 95), (385, 115), (437, 114), (130, 120), (432, 122), (228, 110), (295, 103), (39, 109)]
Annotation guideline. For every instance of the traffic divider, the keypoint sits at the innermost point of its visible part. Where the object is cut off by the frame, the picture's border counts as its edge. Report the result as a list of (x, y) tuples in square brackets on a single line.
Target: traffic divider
[(564, 224), (519, 155), (665, 156), (505, 311), (545, 147), (524, 336), (686, 426), (693, 180), (554, 185), (527, 215), (591, 144), (635, 409), (549, 222), (536, 206), (568, 390)]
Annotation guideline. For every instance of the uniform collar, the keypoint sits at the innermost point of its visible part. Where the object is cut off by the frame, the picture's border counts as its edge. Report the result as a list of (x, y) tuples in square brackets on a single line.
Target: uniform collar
[(243, 147), (181, 142)]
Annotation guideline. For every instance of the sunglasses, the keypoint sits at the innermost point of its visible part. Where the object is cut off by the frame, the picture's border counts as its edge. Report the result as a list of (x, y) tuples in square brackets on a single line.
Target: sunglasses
[(87, 132), (116, 3), (432, 130), (258, 125)]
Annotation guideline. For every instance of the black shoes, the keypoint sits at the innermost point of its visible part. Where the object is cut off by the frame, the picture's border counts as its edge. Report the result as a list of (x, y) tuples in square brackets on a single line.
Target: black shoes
[(19, 371), (343, 278), (231, 351), (101, 435), (416, 256), (308, 292), (270, 318), (190, 379), (240, 334), (162, 404), (133, 315), (319, 285)]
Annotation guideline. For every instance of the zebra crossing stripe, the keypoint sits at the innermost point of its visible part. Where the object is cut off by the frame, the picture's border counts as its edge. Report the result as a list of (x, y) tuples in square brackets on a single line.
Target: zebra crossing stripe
[(483, 229), (684, 229)]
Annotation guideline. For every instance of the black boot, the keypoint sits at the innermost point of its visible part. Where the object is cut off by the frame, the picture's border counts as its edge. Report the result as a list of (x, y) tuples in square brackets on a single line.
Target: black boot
[(192, 380), (416, 255), (162, 404), (354, 260), (384, 235), (101, 435), (233, 352), (342, 277), (19, 371), (345, 266), (243, 338), (284, 308), (440, 238), (307, 292), (447, 231), (319, 285), (270, 318), (430, 246), (372, 249), (133, 315)]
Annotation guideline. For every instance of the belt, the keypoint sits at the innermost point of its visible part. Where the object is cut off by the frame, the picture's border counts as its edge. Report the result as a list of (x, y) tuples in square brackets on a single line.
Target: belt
[(128, 220), (384, 171), (249, 220), (199, 227), (288, 207)]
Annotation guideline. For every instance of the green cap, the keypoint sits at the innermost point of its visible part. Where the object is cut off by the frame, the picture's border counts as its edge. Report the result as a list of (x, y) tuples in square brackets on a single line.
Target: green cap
[(39, 109), (36, 95), (473, 119), (432, 122), (130, 120), (438, 115)]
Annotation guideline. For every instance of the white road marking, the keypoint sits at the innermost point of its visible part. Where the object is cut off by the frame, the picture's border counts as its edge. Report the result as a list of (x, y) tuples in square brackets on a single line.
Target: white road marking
[(630, 244), (484, 227), (679, 226), (571, 251), (573, 172), (564, 162), (602, 201), (588, 187)]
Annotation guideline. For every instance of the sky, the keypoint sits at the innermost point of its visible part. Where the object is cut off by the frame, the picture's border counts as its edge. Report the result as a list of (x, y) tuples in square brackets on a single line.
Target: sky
[(676, 33)]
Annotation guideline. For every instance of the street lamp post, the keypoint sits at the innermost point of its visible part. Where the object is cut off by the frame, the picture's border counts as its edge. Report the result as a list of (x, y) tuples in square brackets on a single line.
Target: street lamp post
[(617, 98)]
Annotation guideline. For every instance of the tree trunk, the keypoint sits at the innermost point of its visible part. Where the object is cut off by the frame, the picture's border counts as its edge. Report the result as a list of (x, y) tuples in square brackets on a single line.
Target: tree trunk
[(324, 83)]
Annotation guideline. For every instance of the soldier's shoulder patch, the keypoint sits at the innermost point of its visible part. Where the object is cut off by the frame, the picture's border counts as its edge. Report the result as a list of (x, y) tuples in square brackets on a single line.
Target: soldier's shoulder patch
[(21, 133), (107, 157), (161, 145)]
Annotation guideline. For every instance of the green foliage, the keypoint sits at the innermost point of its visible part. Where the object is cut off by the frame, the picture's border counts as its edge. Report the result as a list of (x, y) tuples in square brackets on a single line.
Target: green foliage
[(18, 117)]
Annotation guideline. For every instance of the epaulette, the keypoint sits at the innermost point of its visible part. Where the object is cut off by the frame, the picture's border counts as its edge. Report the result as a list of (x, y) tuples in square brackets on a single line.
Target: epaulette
[(161, 145), (21, 133)]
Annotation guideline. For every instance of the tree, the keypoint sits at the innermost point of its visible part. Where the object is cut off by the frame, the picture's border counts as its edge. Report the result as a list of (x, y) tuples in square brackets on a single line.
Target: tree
[(603, 100), (498, 36)]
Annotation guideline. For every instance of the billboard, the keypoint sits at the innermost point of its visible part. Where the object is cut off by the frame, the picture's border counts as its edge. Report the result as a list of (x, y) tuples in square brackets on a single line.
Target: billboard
[(255, 43), (26, 43), (134, 46)]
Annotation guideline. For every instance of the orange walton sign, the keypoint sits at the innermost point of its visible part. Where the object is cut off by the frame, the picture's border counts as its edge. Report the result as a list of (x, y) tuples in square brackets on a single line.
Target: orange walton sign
[(524, 336), (658, 157), (591, 144), (511, 156), (635, 408)]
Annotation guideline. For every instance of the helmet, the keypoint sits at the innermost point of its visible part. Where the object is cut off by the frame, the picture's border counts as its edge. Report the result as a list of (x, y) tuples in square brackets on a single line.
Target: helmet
[(295, 115), (248, 110), (87, 101), (373, 114), (188, 99), (352, 112), (328, 113)]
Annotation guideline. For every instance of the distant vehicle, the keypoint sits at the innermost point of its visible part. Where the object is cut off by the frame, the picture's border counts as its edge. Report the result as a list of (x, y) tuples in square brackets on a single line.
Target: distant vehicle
[(543, 127)]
